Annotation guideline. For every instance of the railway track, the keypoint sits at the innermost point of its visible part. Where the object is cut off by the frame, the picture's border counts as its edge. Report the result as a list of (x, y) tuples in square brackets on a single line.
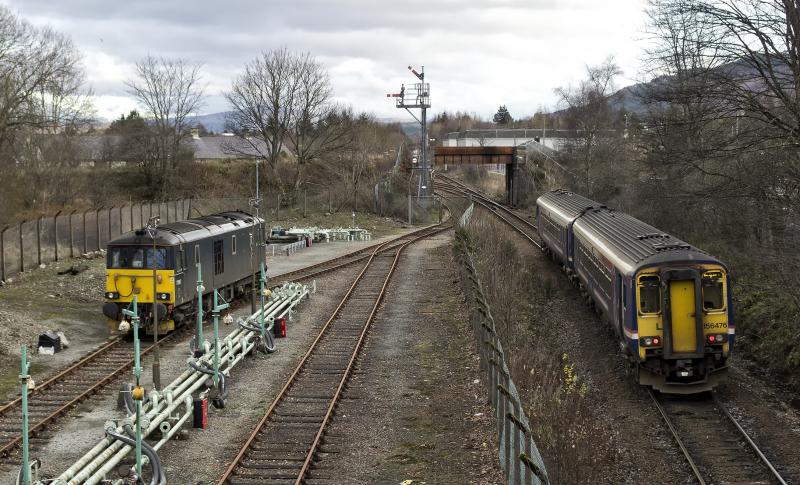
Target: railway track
[(56, 396), (519, 223), (282, 447), (94, 372), (715, 445), (343, 261)]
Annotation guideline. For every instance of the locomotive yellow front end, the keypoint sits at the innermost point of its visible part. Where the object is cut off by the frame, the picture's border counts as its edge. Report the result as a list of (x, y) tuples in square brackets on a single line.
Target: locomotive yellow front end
[(130, 271), (685, 327)]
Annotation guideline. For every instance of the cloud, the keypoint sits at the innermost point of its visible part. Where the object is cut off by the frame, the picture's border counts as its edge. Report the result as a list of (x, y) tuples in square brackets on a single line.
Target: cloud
[(477, 54)]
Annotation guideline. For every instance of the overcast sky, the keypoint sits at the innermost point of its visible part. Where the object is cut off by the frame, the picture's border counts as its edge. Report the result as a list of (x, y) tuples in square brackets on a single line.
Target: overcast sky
[(477, 54)]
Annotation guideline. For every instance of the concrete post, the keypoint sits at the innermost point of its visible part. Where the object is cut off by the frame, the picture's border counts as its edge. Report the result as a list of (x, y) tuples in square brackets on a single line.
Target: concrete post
[(3, 253), (97, 225), (110, 210), (21, 249), (71, 236), (39, 241), (85, 239), (55, 233)]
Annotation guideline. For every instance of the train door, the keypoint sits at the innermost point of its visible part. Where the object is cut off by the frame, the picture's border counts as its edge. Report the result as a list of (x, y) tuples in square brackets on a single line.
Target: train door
[(683, 317)]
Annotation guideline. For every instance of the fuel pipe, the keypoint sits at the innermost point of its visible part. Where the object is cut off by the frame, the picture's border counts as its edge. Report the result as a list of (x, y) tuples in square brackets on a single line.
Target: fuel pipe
[(160, 409)]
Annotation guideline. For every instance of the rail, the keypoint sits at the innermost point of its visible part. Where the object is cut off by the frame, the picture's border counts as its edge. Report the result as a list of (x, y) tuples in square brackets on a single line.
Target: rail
[(740, 433), (525, 228), (334, 373)]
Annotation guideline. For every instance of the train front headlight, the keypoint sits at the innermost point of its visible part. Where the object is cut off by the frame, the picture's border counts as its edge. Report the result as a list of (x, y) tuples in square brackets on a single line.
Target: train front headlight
[(112, 295), (163, 296)]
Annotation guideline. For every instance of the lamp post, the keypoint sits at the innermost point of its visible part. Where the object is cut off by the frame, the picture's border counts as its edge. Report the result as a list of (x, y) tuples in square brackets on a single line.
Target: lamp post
[(152, 229), (257, 242)]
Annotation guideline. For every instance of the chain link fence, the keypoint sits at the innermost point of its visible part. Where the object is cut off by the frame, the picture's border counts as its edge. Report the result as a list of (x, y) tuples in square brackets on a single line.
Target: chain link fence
[(30, 243), (519, 455)]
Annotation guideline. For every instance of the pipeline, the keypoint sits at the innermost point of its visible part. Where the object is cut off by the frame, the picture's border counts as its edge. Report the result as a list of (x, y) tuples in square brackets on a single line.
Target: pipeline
[(159, 478), (158, 410)]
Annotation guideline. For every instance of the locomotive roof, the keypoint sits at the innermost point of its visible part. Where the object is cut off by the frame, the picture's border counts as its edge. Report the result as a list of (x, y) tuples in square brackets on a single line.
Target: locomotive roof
[(633, 244), (188, 230), (566, 205)]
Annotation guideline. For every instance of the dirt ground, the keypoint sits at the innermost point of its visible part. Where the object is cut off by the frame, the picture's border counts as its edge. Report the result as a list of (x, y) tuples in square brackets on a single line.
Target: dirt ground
[(415, 411)]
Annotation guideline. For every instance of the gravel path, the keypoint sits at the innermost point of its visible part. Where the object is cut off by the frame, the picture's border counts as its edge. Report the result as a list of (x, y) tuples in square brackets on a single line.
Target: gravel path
[(415, 410)]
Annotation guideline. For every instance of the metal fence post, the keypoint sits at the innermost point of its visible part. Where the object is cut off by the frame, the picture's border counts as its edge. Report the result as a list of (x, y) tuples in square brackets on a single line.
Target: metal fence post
[(141, 214), (71, 235), (3, 253), (39, 241), (97, 224), (85, 239), (55, 234), (120, 218), (131, 216), (110, 210), (21, 249)]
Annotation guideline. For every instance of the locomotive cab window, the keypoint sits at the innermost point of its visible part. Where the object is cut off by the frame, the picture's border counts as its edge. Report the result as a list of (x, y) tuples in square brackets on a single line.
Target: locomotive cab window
[(713, 286), (649, 290), (196, 254), (132, 257), (233, 245)]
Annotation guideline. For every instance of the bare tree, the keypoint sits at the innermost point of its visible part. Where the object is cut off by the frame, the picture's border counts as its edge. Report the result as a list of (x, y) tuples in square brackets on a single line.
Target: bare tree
[(262, 99), (588, 111), (41, 83), (317, 125), (169, 90), (284, 100)]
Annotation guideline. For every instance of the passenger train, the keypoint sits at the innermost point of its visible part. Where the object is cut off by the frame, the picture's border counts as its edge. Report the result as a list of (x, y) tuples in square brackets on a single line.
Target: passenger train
[(668, 302), (221, 243)]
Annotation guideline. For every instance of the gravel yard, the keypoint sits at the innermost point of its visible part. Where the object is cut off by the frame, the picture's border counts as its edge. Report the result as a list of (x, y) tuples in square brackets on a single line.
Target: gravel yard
[(415, 411)]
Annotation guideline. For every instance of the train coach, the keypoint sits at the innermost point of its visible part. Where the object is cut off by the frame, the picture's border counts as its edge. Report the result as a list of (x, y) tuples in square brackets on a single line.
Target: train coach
[(221, 243), (668, 302)]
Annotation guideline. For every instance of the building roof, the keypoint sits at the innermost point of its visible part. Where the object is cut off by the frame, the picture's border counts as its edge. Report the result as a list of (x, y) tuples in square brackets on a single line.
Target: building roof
[(226, 147)]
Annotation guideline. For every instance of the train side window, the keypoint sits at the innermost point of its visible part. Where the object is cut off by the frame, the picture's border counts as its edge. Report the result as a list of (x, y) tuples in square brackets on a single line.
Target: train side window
[(713, 288), (219, 261), (196, 254), (182, 258), (649, 289), (233, 245)]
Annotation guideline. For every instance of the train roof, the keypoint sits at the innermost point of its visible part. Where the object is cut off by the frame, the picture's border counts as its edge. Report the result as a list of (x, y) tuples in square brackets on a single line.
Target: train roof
[(188, 230), (632, 244), (565, 205)]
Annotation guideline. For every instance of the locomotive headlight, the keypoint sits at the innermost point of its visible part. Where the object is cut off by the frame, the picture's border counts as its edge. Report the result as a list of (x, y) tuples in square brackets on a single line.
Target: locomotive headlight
[(163, 296), (112, 295)]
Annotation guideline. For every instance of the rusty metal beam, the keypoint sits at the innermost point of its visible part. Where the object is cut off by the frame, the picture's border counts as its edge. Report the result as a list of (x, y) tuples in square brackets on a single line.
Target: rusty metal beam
[(473, 155)]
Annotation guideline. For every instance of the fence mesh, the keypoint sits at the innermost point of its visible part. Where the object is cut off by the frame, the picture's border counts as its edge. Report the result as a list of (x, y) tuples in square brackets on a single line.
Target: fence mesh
[(519, 455)]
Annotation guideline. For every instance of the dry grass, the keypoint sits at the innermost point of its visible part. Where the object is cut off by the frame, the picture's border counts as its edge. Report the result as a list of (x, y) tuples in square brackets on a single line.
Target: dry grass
[(575, 442)]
